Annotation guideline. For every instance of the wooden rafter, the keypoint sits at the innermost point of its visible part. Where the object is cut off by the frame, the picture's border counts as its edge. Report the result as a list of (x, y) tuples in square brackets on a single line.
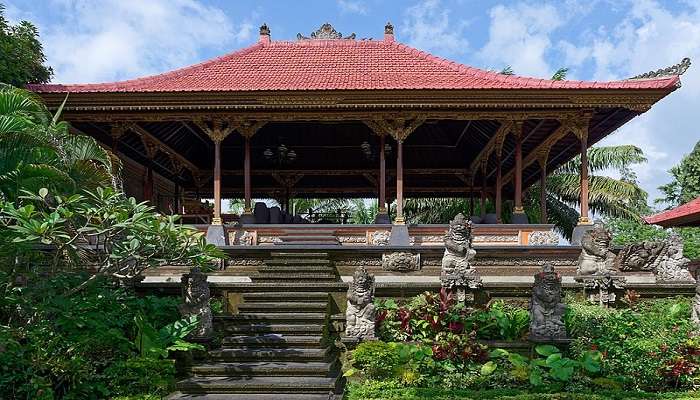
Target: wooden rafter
[(145, 135)]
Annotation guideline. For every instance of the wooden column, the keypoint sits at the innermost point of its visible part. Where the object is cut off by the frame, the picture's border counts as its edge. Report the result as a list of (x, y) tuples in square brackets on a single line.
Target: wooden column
[(499, 183), (217, 131), (483, 185), (151, 150), (518, 208), (399, 183), (246, 176), (217, 183), (579, 127), (584, 180), (247, 129), (543, 191), (382, 174)]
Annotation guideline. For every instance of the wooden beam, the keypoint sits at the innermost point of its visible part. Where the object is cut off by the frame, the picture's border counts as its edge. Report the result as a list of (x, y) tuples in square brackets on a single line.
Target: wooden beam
[(341, 172), (164, 147), (486, 150)]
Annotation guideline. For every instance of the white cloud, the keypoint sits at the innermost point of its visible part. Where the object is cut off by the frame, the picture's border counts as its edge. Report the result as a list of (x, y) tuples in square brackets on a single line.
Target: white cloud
[(428, 27), (519, 37), (352, 6), (89, 41), (647, 38)]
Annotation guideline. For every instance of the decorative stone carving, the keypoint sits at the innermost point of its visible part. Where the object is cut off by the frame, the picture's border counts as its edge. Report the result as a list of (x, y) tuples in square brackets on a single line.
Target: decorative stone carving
[(269, 239), (596, 257), (546, 307), (361, 313), (247, 239), (543, 238), (673, 265), (401, 262), (664, 258), (374, 262), (695, 314), (325, 32), (524, 262), (497, 239), (380, 238), (356, 239), (678, 69), (456, 270), (602, 289), (195, 296)]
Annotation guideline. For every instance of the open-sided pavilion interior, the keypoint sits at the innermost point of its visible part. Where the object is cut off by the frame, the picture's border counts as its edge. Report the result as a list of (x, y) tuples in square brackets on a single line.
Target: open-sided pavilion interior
[(335, 116)]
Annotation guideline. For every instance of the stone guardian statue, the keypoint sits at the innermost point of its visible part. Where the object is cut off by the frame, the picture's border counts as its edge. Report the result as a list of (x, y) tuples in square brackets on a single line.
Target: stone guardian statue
[(456, 269), (195, 296), (596, 257), (361, 313), (546, 307)]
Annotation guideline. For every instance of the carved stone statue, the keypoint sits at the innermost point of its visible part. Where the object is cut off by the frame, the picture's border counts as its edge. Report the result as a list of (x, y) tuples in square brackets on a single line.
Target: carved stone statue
[(673, 265), (195, 296), (546, 307), (596, 257), (361, 313), (663, 258), (456, 269), (695, 314), (602, 290), (380, 238), (400, 262)]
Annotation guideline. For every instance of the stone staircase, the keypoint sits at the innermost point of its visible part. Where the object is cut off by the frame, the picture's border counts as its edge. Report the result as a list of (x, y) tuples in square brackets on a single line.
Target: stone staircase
[(277, 346), (309, 237)]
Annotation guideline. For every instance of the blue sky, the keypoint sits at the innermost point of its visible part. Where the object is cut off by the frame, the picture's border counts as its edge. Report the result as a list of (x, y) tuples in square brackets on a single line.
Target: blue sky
[(92, 41)]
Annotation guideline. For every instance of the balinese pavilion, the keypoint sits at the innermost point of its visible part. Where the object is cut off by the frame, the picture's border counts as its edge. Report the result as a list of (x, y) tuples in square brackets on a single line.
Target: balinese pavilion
[(335, 116)]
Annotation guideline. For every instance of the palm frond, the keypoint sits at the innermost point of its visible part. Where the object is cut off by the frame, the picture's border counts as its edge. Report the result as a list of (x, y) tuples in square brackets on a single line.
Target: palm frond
[(605, 158)]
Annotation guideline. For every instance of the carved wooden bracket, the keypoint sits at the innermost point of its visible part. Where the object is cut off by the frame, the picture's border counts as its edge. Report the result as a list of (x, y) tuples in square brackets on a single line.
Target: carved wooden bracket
[(579, 125), (150, 146), (398, 128), (248, 128), (118, 130), (217, 129)]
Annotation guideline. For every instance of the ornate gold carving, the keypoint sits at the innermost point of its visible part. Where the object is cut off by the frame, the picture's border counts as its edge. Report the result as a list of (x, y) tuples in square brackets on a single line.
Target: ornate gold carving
[(248, 128), (398, 128), (216, 221), (388, 29), (217, 129), (678, 69), (325, 32)]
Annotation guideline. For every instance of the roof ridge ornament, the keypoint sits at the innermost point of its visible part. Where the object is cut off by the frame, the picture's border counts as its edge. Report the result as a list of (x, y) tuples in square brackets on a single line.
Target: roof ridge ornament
[(325, 32), (674, 70)]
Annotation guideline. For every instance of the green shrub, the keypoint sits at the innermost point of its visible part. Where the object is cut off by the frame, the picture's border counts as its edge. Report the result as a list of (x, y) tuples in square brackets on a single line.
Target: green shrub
[(376, 359), (140, 375)]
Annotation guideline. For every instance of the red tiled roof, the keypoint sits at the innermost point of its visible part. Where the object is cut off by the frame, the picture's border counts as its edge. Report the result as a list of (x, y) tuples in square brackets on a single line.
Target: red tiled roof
[(341, 64), (687, 214)]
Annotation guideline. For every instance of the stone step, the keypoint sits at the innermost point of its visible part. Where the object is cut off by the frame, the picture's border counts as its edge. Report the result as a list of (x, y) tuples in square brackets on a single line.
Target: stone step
[(280, 328), (259, 384), (297, 254), (254, 396), (271, 340), (286, 306), (294, 276), (285, 296), (297, 261), (296, 269), (266, 368), (267, 317), (270, 354)]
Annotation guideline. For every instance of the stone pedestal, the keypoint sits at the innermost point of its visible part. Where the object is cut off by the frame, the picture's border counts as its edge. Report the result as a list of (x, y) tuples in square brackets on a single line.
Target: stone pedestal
[(519, 218), (382, 218), (247, 218), (579, 231), (603, 290), (216, 235), (399, 235)]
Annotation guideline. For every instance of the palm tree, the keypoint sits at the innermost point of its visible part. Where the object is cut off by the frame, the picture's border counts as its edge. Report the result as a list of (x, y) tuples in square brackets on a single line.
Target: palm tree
[(37, 150), (608, 196)]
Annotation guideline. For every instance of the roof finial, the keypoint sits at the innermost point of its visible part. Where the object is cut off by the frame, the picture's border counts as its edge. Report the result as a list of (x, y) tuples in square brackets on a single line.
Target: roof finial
[(678, 69), (325, 32), (389, 32), (388, 29), (264, 34)]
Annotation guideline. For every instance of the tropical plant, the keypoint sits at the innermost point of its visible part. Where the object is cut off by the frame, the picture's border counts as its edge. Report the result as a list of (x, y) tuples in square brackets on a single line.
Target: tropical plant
[(37, 150), (618, 198), (117, 236), (685, 185), (22, 58), (156, 343)]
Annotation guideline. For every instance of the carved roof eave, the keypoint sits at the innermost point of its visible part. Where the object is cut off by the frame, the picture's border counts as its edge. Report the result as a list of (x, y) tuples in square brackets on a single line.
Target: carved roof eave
[(349, 102)]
